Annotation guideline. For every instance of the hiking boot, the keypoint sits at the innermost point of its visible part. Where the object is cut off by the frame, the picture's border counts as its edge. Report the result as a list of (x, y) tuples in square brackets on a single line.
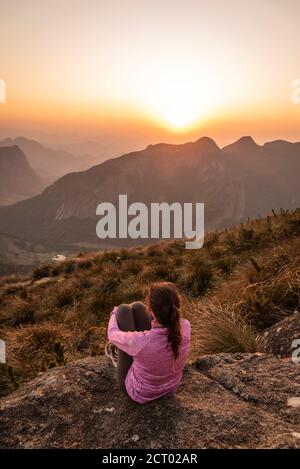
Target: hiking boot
[(111, 351)]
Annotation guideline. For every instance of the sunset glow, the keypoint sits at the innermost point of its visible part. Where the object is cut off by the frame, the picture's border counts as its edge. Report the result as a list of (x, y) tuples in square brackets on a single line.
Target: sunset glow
[(149, 71), (179, 94)]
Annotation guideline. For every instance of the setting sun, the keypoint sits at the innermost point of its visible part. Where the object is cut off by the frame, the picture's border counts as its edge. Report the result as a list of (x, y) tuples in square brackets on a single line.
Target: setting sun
[(178, 94), (178, 106)]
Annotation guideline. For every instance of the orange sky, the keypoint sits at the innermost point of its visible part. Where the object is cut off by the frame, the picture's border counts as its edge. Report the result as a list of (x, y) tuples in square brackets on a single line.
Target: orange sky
[(150, 70)]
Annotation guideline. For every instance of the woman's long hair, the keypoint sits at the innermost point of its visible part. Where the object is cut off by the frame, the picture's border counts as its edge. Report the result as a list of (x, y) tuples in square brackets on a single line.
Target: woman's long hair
[(164, 301)]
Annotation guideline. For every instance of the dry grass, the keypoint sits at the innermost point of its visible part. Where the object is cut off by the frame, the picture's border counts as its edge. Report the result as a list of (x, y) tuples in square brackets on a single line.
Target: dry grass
[(36, 348), (222, 329), (242, 281)]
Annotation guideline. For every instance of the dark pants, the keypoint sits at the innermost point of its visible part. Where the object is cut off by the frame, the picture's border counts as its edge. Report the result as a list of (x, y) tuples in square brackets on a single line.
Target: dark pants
[(134, 317)]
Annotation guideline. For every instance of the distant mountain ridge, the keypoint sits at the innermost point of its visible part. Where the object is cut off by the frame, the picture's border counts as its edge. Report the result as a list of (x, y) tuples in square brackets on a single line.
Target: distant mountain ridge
[(49, 163), (18, 180), (239, 181)]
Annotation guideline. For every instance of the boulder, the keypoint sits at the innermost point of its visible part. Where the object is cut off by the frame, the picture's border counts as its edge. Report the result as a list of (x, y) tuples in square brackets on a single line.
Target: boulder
[(279, 338), (224, 401)]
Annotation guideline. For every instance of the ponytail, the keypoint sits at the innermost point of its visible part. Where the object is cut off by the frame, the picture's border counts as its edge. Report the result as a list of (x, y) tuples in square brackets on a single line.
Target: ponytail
[(174, 336), (164, 301)]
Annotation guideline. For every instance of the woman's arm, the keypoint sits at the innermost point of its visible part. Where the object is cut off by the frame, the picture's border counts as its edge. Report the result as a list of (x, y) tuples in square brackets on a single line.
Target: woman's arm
[(130, 342)]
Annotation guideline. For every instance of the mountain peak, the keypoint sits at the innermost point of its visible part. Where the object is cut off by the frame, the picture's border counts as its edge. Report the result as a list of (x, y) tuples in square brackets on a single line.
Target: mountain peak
[(18, 180), (204, 143), (246, 140), (153, 146), (278, 142), (12, 151), (207, 143), (245, 143)]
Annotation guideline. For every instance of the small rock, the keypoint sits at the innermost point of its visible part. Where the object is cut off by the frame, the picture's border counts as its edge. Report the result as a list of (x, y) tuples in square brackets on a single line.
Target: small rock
[(97, 411), (109, 409), (135, 438), (278, 338), (293, 401)]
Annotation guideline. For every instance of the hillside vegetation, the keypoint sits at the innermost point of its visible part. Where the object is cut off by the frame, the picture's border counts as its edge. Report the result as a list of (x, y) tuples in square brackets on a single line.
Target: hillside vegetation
[(241, 282)]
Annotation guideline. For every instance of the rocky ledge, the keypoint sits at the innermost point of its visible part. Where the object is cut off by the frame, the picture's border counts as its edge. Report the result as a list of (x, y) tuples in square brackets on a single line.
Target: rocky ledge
[(224, 401)]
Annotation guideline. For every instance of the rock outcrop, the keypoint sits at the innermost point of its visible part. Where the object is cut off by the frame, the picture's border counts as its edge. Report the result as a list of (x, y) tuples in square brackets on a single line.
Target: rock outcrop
[(224, 401), (279, 338)]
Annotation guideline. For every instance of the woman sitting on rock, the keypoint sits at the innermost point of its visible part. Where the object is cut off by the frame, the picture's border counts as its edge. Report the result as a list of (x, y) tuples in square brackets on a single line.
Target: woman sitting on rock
[(149, 347)]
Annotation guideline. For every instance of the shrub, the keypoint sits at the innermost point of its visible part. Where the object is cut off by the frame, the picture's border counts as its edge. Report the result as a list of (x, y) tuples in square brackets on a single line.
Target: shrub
[(268, 303), (84, 264), (223, 330), (41, 272), (8, 380), (112, 256), (59, 352), (56, 271), (89, 341), (255, 265), (21, 311), (102, 295), (165, 271), (175, 248), (131, 293), (211, 240), (217, 252), (246, 235), (226, 263), (259, 309), (132, 267), (43, 345), (65, 296), (98, 301), (84, 339), (230, 242), (198, 278), (85, 281), (69, 267), (153, 251), (274, 291)]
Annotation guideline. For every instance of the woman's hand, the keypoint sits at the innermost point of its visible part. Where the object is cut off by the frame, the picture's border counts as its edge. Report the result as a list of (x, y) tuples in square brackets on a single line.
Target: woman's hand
[(115, 309)]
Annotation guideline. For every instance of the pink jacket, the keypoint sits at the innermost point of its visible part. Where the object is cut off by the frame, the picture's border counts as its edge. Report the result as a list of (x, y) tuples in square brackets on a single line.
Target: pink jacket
[(154, 372)]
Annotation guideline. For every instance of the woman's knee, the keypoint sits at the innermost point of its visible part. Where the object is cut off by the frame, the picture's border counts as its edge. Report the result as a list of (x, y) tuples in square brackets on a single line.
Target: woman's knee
[(142, 316), (123, 309), (125, 317), (139, 307)]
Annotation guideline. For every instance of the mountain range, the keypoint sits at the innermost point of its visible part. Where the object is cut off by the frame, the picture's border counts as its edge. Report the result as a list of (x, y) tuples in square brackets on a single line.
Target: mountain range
[(241, 180), (48, 163)]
